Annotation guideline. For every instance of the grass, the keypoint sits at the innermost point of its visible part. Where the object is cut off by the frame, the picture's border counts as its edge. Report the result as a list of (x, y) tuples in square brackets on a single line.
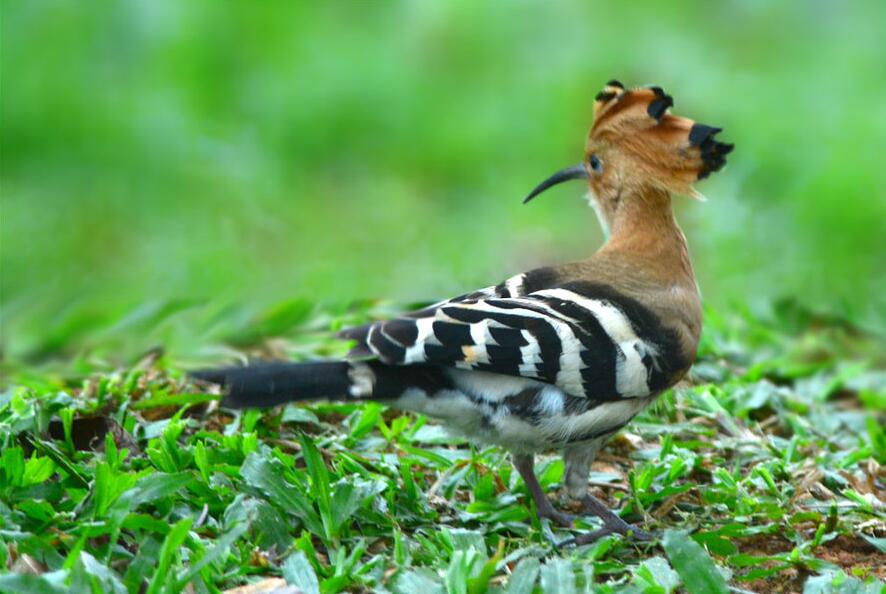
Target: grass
[(762, 472), (159, 150)]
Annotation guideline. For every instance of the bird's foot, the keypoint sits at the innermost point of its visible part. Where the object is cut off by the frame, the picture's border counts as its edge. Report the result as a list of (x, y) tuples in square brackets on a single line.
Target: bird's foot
[(612, 524), (590, 506), (631, 532)]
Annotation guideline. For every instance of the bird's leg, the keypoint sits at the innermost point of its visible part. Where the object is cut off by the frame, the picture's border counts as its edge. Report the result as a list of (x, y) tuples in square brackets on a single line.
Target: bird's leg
[(578, 460), (612, 524), (544, 508)]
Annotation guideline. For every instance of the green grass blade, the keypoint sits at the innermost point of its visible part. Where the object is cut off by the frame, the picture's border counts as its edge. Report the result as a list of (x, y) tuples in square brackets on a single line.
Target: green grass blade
[(168, 551)]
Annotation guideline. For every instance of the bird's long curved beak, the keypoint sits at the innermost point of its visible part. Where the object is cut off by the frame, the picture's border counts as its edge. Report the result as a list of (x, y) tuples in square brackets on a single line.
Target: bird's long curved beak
[(574, 172)]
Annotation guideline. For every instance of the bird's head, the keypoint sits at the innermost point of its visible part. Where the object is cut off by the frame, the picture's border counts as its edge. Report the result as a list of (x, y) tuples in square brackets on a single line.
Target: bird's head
[(636, 148)]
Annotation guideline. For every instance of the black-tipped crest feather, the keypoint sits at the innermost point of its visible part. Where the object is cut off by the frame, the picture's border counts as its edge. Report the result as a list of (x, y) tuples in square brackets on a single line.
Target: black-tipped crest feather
[(713, 153), (658, 106)]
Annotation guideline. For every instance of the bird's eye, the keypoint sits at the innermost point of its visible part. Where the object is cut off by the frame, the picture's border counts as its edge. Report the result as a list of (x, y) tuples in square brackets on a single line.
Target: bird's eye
[(596, 164)]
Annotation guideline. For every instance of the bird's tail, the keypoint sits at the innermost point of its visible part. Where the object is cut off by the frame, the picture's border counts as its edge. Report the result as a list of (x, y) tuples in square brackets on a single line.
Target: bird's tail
[(271, 384)]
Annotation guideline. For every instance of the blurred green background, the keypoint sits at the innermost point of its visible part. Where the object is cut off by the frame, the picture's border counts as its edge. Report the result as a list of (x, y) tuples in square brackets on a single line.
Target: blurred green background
[(255, 152)]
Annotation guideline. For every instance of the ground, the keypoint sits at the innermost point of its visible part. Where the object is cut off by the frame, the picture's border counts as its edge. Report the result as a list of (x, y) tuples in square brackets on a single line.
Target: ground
[(762, 472)]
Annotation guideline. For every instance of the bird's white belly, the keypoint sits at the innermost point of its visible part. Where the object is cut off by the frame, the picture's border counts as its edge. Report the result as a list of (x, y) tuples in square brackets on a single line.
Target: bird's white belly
[(481, 407)]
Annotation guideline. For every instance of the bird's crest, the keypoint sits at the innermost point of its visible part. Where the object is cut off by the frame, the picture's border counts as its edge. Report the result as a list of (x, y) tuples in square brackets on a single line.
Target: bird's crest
[(669, 150)]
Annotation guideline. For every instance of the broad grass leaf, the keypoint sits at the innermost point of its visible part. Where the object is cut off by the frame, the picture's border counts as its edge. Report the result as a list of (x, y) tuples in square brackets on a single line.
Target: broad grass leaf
[(695, 566), (219, 548), (24, 583), (421, 581), (12, 470), (108, 487), (159, 485), (465, 540), (266, 476), (298, 414), (347, 497), (557, 577), (298, 572), (658, 575), (522, 580), (37, 470), (109, 580), (264, 521), (36, 509)]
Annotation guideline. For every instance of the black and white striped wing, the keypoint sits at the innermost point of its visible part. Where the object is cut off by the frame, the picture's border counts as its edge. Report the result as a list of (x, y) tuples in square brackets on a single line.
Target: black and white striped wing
[(587, 346)]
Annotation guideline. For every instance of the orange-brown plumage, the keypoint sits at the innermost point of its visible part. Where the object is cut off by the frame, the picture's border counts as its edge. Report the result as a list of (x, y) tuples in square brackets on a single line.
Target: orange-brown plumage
[(637, 155), (654, 148)]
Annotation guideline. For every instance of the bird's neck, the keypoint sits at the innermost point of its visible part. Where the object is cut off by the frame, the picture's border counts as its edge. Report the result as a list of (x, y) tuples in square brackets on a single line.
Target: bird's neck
[(643, 227), (646, 257)]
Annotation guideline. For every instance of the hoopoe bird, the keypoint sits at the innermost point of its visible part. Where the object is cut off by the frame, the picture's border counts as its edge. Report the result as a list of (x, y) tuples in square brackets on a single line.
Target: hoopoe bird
[(560, 357)]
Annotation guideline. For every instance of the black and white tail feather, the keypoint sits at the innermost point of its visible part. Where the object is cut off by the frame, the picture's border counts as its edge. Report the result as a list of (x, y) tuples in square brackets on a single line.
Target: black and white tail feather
[(529, 364)]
